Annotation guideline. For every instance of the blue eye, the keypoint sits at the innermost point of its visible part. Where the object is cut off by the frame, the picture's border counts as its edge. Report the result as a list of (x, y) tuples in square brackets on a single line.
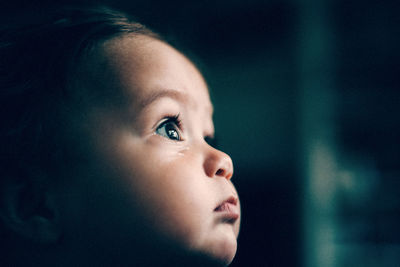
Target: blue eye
[(170, 129)]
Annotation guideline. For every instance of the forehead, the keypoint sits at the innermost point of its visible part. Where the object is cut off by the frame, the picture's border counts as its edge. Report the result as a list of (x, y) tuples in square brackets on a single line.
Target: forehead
[(146, 68)]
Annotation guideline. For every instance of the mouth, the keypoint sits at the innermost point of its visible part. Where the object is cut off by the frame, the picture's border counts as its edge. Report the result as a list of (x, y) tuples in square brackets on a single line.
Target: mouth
[(228, 210)]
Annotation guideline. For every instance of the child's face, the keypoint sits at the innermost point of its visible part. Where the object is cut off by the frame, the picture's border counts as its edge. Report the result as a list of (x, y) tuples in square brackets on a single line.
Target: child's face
[(174, 179)]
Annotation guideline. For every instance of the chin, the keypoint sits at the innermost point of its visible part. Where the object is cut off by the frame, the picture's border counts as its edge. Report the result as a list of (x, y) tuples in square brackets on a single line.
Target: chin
[(223, 252), (229, 253)]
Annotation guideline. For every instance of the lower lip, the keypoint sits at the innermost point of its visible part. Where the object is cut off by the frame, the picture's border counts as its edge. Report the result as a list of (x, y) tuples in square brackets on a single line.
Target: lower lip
[(228, 211)]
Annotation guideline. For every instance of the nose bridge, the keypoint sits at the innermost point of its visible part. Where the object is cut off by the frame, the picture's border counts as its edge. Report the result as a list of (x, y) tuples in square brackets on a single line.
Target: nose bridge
[(217, 163)]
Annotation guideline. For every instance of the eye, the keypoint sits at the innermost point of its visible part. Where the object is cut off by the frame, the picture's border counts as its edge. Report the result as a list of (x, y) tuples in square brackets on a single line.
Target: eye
[(170, 129)]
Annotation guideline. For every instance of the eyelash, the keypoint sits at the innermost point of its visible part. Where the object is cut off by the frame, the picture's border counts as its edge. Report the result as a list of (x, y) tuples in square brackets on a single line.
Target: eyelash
[(176, 120), (170, 120)]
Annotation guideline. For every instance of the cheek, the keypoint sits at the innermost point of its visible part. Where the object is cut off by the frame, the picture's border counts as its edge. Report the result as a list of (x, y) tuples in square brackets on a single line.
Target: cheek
[(173, 194)]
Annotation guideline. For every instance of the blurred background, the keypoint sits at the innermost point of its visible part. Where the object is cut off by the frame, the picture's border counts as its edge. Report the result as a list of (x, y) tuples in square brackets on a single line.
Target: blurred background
[(307, 103)]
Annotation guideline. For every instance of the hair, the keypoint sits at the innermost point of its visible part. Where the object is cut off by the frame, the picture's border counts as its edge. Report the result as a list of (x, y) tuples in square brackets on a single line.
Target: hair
[(37, 57)]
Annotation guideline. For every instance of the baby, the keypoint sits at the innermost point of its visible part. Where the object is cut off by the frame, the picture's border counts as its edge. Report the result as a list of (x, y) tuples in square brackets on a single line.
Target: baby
[(106, 155)]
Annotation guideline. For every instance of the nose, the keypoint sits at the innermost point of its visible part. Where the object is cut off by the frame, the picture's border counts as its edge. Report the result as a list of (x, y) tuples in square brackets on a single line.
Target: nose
[(217, 164)]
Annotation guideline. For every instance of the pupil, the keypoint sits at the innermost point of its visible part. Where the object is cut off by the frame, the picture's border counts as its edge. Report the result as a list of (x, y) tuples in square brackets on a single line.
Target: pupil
[(172, 132)]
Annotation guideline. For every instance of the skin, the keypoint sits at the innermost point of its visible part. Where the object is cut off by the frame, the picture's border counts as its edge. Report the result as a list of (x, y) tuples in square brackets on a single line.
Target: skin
[(150, 184)]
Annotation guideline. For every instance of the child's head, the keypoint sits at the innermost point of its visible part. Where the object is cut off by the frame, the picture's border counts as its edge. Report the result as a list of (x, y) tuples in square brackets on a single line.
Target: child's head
[(106, 152)]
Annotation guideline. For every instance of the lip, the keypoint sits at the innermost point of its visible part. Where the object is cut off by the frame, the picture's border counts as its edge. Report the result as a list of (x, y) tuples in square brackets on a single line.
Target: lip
[(228, 210)]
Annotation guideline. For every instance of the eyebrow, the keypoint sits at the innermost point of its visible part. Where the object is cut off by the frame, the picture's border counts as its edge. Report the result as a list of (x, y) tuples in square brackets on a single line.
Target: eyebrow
[(171, 93), (176, 95)]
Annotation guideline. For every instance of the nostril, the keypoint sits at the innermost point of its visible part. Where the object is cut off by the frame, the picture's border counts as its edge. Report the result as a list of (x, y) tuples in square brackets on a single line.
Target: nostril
[(217, 164), (220, 172)]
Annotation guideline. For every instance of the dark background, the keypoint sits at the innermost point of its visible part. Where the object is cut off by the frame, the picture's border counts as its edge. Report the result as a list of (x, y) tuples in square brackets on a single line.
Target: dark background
[(307, 103)]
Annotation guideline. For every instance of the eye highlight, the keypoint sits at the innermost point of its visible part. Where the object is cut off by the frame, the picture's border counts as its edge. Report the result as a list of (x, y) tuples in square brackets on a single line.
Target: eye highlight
[(170, 128)]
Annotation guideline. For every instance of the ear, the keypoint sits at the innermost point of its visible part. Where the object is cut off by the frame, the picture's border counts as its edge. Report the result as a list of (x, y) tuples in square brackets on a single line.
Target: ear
[(28, 210)]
